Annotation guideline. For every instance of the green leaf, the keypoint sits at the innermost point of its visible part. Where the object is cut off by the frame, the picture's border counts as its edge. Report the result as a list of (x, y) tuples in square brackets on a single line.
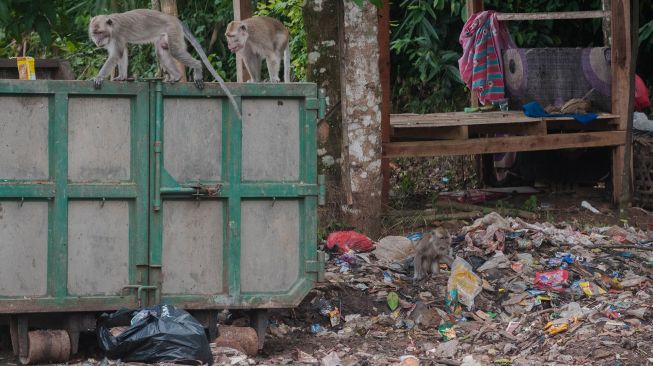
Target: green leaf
[(4, 11), (42, 27), (393, 300)]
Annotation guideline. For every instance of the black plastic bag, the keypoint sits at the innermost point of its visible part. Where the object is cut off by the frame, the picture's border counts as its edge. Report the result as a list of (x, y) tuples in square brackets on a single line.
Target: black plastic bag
[(158, 333)]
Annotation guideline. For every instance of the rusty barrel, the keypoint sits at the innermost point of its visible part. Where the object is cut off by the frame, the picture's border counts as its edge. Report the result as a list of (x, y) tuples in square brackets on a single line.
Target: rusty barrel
[(47, 346)]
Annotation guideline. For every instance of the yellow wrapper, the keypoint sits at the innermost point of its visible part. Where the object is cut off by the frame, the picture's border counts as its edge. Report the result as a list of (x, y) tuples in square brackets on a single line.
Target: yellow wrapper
[(26, 68)]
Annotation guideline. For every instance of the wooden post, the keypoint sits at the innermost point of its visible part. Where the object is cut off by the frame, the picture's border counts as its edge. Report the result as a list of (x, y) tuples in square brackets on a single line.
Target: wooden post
[(242, 10), (473, 7), (384, 71), (621, 86)]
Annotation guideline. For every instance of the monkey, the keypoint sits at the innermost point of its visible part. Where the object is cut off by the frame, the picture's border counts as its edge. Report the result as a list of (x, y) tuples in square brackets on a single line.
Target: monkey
[(114, 31), (433, 248), (257, 38)]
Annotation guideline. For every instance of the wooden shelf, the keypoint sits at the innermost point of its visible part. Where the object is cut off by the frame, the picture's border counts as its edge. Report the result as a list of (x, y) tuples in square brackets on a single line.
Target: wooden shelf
[(491, 145), (469, 119), (592, 14)]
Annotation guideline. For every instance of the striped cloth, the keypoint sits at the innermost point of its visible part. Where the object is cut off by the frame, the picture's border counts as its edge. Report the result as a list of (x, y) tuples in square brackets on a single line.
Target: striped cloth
[(483, 37)]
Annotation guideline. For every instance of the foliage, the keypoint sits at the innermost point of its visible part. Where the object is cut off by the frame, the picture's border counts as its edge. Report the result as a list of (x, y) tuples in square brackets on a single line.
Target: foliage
[(18, 18), (289, 12), (425, 56)]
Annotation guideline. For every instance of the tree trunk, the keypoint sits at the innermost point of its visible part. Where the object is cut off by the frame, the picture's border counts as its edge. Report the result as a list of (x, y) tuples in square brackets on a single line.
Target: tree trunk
[(361, 98), (323, 68), (170, 7)]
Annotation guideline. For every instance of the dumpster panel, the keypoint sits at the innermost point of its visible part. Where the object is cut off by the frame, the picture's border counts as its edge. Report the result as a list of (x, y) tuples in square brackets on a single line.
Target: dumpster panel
[(271, 139), (23, 252), (193, 127), (98, 247), (99, 139), (24, 137), (192, 247), (270, 245)]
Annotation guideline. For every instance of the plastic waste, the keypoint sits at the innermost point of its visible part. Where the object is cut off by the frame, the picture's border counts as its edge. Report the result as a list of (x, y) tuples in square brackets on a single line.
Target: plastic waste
[(552, 280), (447, 332), (161, 333), (588, 206), (467, 283), (346, 241), (641, 122)]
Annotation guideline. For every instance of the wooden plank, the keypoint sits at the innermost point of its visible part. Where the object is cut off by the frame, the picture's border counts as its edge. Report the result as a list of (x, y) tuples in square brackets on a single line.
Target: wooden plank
[(592, 14), (504, 144), (529, 129), (242, 10), (468, 119), (621, 87), (383, 37), (430, 133)]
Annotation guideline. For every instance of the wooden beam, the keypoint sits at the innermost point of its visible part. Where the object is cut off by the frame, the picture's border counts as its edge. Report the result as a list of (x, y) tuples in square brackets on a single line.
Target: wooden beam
[(242, 10), (621, 84), (383, 37), (495, 145), (593, 14)]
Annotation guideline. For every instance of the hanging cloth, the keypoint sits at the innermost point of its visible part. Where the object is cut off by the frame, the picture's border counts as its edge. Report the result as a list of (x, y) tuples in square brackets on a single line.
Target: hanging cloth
[(483, 38)]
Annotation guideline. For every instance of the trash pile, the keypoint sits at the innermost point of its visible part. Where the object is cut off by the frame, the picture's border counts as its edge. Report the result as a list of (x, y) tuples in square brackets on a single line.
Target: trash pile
[(518, 293)]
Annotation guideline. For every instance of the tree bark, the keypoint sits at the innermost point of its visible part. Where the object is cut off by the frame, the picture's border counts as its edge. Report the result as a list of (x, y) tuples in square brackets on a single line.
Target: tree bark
[(361, 98), (170, 7), (323, 68)]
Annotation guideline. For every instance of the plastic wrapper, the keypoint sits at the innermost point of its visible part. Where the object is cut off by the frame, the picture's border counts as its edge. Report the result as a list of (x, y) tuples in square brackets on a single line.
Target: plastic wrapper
[(552, 280), (463, 278), (162, 333)]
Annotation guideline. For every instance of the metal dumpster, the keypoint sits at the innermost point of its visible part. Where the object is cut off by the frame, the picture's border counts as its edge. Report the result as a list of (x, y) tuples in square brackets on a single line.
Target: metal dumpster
[(146, 192)]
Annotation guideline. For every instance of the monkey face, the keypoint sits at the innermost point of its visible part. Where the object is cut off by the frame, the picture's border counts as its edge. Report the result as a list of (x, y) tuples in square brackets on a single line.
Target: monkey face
[(99, 30), (236, 36), (441, 240)]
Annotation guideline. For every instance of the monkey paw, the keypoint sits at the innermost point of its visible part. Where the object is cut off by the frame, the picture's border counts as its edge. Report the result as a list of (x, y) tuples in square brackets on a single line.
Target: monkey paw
[(97, 82)]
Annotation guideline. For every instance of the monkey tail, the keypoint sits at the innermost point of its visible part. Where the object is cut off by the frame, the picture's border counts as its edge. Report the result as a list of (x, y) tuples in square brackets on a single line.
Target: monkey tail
[(286, 64), (200, 51)]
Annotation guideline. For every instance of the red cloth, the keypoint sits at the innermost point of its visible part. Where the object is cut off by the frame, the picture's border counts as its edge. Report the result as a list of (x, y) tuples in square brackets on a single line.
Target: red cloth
[(642, 99), (346, 241), (482, 38)]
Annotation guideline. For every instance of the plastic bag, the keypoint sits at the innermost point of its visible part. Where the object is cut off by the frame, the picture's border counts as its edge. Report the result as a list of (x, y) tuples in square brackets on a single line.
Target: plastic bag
[(464, 279), (159, 333), (346, 241)]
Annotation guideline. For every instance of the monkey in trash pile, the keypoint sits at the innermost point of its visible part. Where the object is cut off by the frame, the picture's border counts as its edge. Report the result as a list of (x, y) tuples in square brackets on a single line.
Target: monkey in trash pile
[(432, 249), (259, 38), (114, 31)]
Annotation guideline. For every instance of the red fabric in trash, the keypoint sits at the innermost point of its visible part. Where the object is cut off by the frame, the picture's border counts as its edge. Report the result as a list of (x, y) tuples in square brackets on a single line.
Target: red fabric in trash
[(346, 241), (642, 99)]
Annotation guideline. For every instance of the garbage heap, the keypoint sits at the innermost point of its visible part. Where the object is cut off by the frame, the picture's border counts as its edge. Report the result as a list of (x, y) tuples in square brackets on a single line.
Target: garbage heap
[(518, 293)]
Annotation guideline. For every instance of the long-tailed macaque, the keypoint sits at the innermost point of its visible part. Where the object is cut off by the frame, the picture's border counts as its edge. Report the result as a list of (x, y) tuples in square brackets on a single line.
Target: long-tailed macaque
[(259, 38), (114, 31), (433, 248)]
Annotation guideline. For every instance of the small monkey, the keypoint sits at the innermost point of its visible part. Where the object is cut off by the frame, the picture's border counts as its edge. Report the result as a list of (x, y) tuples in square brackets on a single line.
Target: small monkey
[(114, 31), (259, 38), (432, 249), (173, 74)]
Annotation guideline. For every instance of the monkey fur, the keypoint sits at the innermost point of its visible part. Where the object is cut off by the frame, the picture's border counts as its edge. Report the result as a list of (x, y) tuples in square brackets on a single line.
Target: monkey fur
[(259, 38), (432, 249)]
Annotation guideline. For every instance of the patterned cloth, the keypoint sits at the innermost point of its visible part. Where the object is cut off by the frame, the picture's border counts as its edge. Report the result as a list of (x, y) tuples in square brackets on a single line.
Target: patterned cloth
[(483, 37)]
